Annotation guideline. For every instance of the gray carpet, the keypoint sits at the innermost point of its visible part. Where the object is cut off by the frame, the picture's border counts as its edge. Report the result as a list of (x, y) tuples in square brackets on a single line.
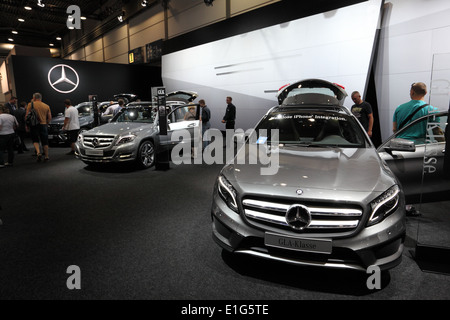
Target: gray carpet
[(146, 234)]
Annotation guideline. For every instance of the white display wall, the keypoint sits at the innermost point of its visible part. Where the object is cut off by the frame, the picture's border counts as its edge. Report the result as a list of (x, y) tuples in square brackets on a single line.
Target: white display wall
[(413, 33), (336, 46)]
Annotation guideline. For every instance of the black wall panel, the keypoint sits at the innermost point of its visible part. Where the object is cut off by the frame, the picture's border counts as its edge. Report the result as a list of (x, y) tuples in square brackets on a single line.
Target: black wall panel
[(102, 79), (279, 12)]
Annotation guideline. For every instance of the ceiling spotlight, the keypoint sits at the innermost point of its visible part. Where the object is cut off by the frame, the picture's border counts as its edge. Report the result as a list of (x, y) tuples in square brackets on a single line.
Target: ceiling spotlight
[(121, 16), (14, 32), (10, 39), (144, 3), (58, 38), (51, 45), (21, 20), (40, 4), (28, 8), (83, 18), (209, 2)]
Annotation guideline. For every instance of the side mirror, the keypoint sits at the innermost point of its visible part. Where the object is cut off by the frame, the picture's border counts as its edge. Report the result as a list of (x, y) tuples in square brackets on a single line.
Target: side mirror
[(399, 144), (168, 121)]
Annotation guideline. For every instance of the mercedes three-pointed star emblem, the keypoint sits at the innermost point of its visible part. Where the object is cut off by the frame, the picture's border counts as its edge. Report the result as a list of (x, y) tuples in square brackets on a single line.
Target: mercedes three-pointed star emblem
[(65, 75)]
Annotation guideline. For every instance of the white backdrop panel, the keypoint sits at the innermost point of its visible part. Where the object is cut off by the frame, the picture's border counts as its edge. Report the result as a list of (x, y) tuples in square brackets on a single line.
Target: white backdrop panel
[(335, 46)]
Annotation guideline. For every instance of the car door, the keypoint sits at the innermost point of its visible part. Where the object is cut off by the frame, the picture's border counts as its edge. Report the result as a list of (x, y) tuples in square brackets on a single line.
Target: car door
[(421, 170), (181, 125)]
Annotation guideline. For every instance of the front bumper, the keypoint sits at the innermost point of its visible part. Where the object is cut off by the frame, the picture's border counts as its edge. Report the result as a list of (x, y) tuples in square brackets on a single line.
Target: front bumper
[(380, 245), (123, 153), (57, 137)]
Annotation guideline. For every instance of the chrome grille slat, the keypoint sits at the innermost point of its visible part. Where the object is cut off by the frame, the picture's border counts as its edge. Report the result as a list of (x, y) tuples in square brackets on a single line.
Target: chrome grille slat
[(314, 210), (323, 217), (103, 141), (315, 224)]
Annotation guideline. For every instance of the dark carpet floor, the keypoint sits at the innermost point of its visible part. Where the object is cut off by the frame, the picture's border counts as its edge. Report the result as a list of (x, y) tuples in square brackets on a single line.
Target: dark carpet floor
[(146, 234)]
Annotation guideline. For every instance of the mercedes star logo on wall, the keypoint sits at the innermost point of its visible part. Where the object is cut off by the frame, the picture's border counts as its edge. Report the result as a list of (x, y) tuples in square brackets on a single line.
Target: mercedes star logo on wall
[(63, 78)]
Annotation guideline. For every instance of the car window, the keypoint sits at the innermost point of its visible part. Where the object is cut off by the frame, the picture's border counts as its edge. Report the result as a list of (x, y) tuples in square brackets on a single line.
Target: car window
[(427, 130), (436, 129), (187, 113), (321, 128), (298, 91), (84, 110), (140, 114)]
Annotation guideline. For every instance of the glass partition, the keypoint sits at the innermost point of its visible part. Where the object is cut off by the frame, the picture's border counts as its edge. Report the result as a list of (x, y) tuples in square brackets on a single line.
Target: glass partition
[(433, 225)]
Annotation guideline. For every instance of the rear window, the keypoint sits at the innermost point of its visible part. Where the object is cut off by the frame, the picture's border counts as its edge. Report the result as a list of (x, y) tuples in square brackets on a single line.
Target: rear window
[(299, 91), (313, 128)]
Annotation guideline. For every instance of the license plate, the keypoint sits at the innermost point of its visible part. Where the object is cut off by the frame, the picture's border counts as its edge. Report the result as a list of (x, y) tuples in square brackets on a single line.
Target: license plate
[(298, 244), (94, 152)]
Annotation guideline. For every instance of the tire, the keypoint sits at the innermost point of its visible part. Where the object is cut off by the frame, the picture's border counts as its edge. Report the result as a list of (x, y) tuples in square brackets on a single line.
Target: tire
[(146, 155)]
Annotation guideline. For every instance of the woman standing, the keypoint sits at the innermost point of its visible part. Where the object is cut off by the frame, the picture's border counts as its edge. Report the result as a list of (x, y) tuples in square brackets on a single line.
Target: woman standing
[(8, 123)]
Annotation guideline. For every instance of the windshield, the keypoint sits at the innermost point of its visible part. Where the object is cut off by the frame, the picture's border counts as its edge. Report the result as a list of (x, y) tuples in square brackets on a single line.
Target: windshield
[(140, 114), (312, 128), (84, 109)]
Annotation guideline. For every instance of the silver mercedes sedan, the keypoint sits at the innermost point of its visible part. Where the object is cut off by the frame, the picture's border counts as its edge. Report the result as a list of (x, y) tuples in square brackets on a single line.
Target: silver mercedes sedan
[(332, 202)]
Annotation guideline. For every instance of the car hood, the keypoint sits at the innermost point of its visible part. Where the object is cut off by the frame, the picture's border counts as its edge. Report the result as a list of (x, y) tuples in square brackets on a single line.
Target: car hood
[(115, 128), (60, 119), (57, 120), (317, 172)]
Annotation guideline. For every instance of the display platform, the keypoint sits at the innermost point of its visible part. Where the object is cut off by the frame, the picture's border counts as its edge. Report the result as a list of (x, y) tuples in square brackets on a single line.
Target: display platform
[(432, 252)]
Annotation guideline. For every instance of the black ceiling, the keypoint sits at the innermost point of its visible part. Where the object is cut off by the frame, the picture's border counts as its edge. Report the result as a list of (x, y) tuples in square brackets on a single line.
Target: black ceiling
[(43, 24)]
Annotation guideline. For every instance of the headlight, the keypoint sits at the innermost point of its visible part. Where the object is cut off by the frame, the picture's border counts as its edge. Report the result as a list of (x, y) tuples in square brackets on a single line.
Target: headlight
[(80, 138), (384, 205), (126, 139), (227, 193)]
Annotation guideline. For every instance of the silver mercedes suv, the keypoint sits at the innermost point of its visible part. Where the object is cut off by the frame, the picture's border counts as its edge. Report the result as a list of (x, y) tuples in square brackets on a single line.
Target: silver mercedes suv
[(133, 134), (332, 202)]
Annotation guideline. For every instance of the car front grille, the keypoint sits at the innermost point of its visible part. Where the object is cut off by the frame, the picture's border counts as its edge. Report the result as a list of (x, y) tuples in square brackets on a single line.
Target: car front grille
[(98, 142), (55, 128), (325, 217)]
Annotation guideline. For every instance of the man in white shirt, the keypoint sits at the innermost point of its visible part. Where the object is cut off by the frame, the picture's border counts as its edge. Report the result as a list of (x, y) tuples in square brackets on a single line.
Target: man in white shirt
[(121, 105), (71, 125), (110, 110)]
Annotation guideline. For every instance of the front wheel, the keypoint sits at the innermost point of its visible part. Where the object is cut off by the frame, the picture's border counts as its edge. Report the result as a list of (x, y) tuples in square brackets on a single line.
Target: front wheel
[(146, 155)]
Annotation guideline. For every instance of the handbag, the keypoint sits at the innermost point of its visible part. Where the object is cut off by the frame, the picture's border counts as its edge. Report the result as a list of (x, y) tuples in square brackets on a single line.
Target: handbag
[(32, 119)]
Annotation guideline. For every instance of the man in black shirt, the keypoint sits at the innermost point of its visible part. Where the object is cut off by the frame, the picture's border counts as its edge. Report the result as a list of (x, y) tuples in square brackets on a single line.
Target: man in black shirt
[(363, 112), (230, 115), (12, 105), (205, 118)]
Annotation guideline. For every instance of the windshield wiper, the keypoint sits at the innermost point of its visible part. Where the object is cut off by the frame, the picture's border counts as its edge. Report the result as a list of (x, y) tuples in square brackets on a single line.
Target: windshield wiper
[(309, 145)]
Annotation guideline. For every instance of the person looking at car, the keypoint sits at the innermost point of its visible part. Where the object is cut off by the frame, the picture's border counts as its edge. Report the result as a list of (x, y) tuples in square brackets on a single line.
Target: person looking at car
[(121, 104), (416, 107), (8, 124), (39, 133), (205, 118), (110, 110), (12, 105), (21, 130), (71, 125), (362, 110), (190, 115)]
